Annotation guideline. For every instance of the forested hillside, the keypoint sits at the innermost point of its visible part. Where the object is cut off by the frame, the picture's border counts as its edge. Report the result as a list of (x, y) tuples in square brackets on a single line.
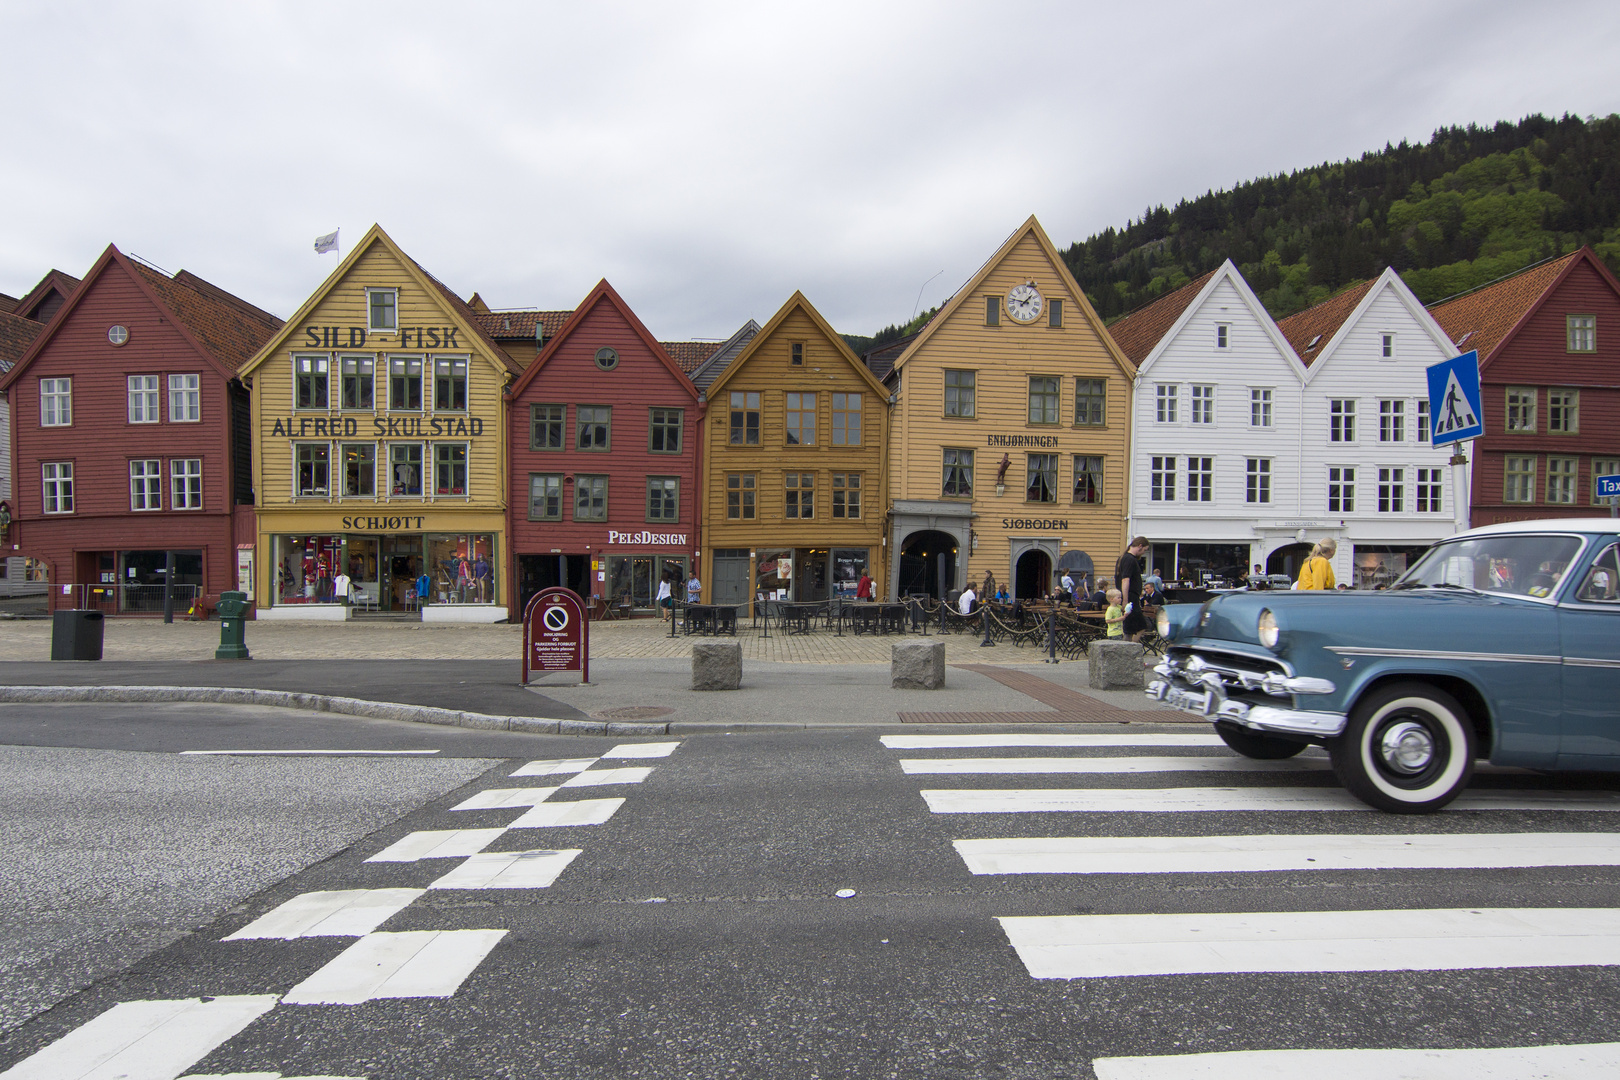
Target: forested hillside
[(1469, 206)]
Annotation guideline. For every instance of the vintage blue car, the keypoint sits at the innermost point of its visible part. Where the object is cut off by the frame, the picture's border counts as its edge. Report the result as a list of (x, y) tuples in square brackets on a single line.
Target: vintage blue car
[(1502, 643)]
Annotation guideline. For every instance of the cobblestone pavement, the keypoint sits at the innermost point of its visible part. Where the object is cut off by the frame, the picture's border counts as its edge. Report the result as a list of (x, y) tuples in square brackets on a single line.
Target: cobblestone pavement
[(150, 639)]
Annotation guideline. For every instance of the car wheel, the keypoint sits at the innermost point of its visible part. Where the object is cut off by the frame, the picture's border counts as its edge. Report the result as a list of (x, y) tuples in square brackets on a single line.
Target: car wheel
[(1263, 747), (1408, 748)]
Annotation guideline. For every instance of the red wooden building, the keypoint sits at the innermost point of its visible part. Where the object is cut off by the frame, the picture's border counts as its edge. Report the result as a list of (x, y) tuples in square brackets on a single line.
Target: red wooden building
[(1549, 363), (604, 445), (129, 438)]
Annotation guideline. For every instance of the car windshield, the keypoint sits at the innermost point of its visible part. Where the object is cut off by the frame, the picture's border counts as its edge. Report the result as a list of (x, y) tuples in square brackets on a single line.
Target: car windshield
[(1517, 564)]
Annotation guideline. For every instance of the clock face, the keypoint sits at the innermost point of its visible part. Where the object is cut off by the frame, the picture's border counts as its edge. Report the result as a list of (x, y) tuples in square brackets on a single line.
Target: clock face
[(1024, 303)]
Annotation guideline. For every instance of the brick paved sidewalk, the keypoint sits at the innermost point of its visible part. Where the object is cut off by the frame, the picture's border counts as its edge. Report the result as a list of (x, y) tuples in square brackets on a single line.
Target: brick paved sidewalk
[(150, 639)]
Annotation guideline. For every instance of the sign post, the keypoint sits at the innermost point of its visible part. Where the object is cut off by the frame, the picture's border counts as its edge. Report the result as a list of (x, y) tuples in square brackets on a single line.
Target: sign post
[(556, 635), (1609, 487), (1456, 414)]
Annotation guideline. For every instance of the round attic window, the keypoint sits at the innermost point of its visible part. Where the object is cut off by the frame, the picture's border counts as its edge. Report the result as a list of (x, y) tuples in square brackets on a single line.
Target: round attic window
[(607, 359), (117, 333)]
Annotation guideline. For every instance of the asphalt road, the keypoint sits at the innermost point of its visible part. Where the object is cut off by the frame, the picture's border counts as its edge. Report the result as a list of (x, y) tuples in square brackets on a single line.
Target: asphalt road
[(803, 904)]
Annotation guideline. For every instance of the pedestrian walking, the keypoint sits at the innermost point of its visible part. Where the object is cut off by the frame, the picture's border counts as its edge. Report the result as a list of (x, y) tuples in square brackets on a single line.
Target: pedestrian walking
[(1128, 581), (1317, 573)]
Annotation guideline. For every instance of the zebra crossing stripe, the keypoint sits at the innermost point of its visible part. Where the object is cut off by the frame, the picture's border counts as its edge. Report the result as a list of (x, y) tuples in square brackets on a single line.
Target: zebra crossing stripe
[(1190, 799), (1103, 946), (556, 767), (261, 1076), (437, 844), (413, 964), (1579, 1062), (1188, 763), (506, 798), (343, 913), (581, 812), (143, 1040), (1248, 854), (985, 742), (642, 750), (603, 777), (508, 870)]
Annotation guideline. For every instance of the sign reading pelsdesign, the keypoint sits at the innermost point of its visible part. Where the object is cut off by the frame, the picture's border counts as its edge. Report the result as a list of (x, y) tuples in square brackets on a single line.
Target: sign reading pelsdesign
[(650, 538)]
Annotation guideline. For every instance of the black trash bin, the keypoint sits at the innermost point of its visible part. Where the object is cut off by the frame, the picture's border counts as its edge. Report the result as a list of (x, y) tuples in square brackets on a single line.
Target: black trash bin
[(76, 634)]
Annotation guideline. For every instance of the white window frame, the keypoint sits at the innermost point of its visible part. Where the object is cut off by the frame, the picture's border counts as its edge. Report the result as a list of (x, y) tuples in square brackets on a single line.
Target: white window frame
[(185, 483), (371, 326), (185, 399), (1391, 489), (1165, 395), (1223, 335), (1423, 421), (1200, 479), (145, 484), (1260, 401), (1392, 420), (56, 481), (145, 401), (1430, 491), (1342, 420), (1341, 489), (56, 402), (1162, 479), (1257, 489), (1203, 403), (1387, 346)]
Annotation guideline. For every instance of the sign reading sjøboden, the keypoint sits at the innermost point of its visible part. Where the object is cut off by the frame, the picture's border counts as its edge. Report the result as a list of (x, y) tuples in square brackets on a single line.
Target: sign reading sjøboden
[(556, 635), (1456, 409)]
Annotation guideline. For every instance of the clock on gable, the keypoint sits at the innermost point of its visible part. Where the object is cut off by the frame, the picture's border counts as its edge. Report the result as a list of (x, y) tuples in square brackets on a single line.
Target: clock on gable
[(1024, 302)]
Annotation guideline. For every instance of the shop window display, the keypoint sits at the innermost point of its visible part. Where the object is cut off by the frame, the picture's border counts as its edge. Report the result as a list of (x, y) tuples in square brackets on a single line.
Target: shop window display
[(304, 568), (634, 579), (461, 568)]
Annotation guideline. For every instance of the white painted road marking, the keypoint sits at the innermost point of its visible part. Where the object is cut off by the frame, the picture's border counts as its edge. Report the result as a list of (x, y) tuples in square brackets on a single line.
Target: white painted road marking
[(642, 750), (582, 812), (305, 753), (1247, 854), (603, 777), (1102, 946), (262, 1076), (437, 844), (413, 964), (508, 870), (143, 1040), (967, 742), (343, 913), (556, 767), (1579, 1062), (1178, 800), (1187, 763), (506, 798)]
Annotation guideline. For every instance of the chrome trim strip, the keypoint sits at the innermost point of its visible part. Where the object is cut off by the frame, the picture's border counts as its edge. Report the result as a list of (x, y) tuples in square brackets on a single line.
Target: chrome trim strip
[(1442, 654), (1214, 705), (1586, 661)]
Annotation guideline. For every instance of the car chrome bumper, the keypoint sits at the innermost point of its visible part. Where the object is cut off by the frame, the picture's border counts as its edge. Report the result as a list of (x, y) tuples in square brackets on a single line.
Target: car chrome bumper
[(1211, 702)]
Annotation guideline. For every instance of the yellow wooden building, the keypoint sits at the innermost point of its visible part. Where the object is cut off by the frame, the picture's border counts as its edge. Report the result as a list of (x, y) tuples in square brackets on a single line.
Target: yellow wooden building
[(379, 450), (794, 466), (1010, 434)]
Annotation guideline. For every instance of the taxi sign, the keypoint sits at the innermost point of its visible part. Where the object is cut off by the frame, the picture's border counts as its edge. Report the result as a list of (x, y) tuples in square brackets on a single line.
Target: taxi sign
[(1455, 404), (1607, 486)]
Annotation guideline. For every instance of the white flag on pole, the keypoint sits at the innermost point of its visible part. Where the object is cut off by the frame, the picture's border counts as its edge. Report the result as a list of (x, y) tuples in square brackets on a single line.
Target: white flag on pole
[(326, 243)]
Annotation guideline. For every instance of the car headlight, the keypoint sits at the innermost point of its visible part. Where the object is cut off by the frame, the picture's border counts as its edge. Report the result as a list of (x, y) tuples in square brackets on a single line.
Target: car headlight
[(1270, 633), (1166, 631)]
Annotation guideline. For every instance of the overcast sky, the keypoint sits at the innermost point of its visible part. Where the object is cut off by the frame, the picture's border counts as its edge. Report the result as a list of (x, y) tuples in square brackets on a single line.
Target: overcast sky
[(710, 158)]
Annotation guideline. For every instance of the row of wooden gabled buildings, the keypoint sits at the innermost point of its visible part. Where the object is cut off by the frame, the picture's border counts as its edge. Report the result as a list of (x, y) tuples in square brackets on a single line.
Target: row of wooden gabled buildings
[(449, 460)]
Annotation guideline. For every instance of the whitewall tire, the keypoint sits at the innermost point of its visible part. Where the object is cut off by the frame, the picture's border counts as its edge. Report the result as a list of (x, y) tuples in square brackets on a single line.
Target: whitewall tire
[(1408, 748)]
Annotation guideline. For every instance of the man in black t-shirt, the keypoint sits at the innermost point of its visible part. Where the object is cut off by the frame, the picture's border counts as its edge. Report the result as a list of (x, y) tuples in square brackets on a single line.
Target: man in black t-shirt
[(1128, 580)]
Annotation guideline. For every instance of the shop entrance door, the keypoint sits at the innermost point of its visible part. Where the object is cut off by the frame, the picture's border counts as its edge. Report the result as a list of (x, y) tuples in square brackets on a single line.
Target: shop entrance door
[(401, 565)]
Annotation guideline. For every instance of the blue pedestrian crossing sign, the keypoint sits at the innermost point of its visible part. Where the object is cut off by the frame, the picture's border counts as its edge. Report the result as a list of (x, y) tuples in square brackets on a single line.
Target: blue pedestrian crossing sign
[(1455, 411)]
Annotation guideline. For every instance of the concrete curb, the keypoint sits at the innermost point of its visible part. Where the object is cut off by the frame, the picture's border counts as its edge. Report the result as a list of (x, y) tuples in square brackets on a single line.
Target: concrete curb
[(378, 710)]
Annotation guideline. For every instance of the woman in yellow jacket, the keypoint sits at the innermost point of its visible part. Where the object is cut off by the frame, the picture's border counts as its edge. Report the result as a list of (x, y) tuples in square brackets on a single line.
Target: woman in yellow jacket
[(1317, 573)]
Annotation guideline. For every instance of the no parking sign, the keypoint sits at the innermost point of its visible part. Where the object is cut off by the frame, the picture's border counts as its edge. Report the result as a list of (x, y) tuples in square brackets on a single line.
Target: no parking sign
[(556, 636)]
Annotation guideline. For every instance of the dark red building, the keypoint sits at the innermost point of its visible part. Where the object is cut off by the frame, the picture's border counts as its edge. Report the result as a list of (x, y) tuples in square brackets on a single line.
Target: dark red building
[(1549, 363), (129, 438), (604, 451)]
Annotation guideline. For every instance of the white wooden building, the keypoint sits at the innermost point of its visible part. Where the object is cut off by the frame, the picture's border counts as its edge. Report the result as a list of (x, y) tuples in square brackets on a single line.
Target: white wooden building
[(1370, 479), (1215, 470)]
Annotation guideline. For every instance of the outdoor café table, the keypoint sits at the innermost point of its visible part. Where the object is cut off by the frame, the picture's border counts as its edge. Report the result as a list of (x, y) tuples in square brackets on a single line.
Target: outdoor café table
[(701, 618), (801, 617), (892, 618), (866, 618)]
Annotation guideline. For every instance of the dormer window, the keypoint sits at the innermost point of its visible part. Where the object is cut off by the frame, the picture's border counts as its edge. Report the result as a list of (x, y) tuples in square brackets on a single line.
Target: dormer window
[(382, 309)]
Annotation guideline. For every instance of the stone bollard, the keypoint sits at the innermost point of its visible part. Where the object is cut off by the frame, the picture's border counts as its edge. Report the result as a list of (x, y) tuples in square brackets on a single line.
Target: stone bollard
[(917, 665), (717, 665), (1117, 665)]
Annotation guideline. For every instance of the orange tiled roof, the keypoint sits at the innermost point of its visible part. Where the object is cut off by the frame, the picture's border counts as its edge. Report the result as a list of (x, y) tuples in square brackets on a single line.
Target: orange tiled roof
[(229, 327), (1137, 333), (1309, 330), (16, 334), (471, 318), (689, 355), (511, 325), (1486, 315)]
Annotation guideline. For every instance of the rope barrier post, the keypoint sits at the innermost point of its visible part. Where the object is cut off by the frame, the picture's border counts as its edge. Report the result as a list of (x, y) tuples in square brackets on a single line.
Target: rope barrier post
[(984, 617), (1051, 637), (672, 615), (838, 615)]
